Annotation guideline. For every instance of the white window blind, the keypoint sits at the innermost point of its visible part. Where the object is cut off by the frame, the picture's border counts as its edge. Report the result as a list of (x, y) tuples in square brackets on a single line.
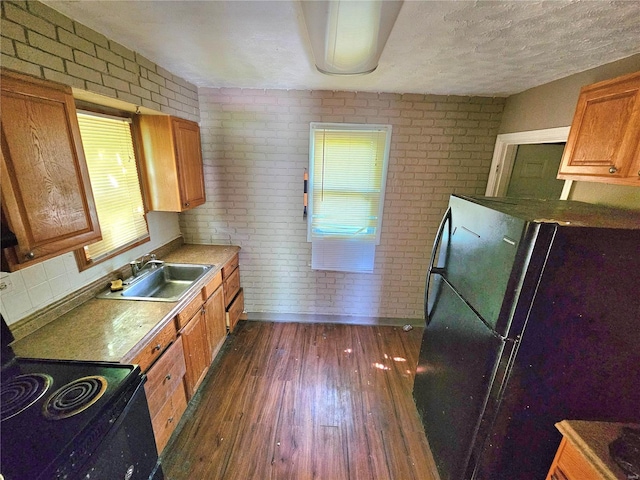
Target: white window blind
[(348, 170), (108, 148)]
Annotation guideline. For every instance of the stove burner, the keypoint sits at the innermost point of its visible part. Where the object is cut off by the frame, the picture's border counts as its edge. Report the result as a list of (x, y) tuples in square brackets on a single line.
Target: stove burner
[(22, 391), (75, 397)]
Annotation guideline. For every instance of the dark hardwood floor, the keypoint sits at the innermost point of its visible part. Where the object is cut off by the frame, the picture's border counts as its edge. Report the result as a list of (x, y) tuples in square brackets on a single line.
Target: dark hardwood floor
[(296, 401)]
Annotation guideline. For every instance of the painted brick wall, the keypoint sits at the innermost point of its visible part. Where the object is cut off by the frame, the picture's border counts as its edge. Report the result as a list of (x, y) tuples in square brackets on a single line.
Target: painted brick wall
[(40, 41), (255, 146)]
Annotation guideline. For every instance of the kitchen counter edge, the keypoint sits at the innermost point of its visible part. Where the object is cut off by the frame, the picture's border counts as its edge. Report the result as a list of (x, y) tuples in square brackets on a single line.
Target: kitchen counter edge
[(116, 330), (592, 440)]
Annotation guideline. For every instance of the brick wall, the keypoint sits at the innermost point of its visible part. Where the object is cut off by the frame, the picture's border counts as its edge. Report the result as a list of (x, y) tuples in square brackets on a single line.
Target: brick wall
[(255, 146), (39, 41)]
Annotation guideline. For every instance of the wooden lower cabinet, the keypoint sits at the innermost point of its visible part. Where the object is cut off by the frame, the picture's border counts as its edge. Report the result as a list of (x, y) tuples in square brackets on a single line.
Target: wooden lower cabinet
[(570, 464), (165, 376), (165, 421), (177, 358), (197, 353), (203, 337), (234, 310), (584, 452), (231, 286), (189, 311), (233, 295), (153, 349), (216, 322), (165, 392)]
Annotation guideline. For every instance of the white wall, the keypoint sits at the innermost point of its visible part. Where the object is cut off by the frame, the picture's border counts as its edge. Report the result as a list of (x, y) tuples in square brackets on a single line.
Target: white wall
[(256, 147)]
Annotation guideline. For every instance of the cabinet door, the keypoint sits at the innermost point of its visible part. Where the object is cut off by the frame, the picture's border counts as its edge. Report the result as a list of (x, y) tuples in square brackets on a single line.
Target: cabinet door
[(197, 354), (216, 325), (189, 162), (46, 191), (605, 133), (158, 163), (570, 464)]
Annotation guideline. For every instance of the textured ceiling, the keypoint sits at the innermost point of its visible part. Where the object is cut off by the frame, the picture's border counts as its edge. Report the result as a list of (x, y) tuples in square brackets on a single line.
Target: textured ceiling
[(440, 47)]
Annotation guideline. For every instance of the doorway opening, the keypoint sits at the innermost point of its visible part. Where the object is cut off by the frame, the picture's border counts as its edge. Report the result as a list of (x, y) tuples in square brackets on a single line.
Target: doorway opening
[(530, 169), (534, 171)]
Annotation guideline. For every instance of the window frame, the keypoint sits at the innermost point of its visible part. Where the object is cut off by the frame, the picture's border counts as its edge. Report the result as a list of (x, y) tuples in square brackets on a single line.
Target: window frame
[(311, 184), (82, 261), (340, 250)]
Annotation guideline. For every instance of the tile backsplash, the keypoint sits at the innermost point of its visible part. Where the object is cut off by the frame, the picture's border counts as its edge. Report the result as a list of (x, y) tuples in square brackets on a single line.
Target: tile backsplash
[(33, 288), (25, 291)]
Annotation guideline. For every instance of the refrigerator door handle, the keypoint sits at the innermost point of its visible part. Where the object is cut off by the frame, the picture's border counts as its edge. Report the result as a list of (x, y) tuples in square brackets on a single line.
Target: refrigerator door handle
[(433, 270)]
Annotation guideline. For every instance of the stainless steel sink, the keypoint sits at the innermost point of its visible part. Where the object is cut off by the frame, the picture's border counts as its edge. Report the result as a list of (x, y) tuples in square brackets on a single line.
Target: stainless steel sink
[(164, 283)]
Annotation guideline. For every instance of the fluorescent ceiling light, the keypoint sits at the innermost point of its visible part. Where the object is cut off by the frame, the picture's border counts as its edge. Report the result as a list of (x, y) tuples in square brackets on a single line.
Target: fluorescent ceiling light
[(348, 36)]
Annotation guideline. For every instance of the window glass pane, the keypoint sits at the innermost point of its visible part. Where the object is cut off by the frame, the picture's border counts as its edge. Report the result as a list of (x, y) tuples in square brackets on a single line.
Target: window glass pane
[(108, 148), (348, 174)]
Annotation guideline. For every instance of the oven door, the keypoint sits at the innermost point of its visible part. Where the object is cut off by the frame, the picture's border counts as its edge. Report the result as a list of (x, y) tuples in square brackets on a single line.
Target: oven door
[(128, 452)]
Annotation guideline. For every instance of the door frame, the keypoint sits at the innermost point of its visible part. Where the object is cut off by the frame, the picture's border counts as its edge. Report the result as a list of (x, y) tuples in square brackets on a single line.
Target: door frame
[(504, 155)]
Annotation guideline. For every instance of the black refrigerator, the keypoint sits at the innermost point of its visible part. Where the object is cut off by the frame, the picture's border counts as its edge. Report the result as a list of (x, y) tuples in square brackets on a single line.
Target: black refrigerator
[(532, 314)]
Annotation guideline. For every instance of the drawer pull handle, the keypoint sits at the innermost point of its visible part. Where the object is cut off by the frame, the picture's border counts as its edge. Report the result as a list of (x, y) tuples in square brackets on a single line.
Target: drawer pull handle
[(157, 348), (168, 377), (170, 420), (30, 255), (612, 169)]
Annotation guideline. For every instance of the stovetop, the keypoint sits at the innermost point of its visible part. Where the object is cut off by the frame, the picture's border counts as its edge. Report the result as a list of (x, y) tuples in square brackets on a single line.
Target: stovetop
[(59, 426)]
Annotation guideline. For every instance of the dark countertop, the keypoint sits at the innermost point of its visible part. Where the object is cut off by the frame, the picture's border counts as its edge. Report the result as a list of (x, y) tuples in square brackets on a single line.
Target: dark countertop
[(592, 440), (115, 330)]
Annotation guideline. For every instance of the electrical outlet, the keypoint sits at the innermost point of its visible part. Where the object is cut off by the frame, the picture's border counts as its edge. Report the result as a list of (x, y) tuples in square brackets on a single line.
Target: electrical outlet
[(6, 285)]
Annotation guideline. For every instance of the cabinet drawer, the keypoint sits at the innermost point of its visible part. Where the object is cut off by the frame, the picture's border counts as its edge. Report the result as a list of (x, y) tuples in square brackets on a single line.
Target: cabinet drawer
[(230, 266), (231, 286), (155, 347), (574, 466), (187, 312), (165, 421), (212, 286), (558, 475), (235, 310), (165, 376)]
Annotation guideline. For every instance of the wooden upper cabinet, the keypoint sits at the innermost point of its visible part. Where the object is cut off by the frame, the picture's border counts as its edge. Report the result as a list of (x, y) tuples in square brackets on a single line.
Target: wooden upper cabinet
[(604, 140), (189, 153), (46, 193), (172, 162)]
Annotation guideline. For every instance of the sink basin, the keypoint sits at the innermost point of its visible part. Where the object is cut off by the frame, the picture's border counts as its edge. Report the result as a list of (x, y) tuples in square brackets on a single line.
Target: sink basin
[(166, 283)]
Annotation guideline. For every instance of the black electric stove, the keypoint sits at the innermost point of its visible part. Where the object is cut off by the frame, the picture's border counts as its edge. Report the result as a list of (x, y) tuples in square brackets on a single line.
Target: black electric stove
[(63, 419)]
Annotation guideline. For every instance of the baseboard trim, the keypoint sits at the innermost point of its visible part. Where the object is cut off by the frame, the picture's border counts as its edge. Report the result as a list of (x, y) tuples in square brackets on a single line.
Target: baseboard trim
[(344, 319)]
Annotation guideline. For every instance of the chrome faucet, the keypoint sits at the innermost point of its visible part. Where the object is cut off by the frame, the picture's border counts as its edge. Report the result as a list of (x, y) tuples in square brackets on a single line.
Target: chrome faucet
[(140, 263)]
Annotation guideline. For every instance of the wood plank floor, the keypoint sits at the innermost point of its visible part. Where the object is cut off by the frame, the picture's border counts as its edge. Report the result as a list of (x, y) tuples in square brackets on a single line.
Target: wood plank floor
[(296, 401)]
